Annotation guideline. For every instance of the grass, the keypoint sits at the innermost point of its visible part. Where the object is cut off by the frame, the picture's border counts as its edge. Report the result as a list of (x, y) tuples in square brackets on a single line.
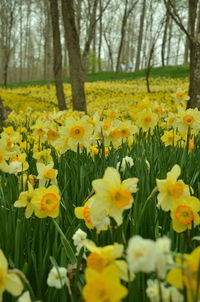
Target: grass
[(169, 71)]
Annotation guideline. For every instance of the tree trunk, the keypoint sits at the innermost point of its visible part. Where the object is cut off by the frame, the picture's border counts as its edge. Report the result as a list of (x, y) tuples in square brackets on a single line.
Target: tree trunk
[(164, 39), (90, 37), (72, 40), (110, 53), (140, 37), (122, 37), (169, 41), (100, 36), (194, 90), (57, 66), (186, 50)]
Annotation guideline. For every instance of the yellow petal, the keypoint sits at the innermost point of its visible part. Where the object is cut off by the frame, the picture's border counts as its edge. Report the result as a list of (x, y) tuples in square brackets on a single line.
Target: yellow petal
[(90, 274), (178, 227), (3, 261), (13, 284), (130, 184), (112, 175), (175, 278), (29, 211), (174, 173), (78, 211)]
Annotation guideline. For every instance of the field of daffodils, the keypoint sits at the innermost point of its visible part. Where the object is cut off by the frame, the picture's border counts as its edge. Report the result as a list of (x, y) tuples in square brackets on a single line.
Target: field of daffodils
[(101, 207)]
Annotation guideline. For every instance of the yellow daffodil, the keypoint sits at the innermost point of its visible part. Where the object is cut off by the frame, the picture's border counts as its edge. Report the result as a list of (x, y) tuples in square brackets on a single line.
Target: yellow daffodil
[(146, 119), (25, 200), (103, 287), (18, 163), (101, 257), (8, 280), (189, 118), (46, 202), (43, 156), (186, 274), (184, 213), (171, 189), (113, 195), (170, 138), (84, 213), (46, 174)]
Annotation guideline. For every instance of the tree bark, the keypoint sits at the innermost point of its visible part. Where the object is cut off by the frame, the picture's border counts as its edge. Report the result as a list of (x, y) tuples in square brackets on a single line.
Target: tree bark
[(127, 12), (75, 65), (163, 47), (140, 38), (194, 45), (100, 36), (57, 66)]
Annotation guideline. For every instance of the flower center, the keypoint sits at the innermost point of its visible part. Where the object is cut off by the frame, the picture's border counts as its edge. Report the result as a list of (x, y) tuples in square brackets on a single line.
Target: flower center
[(125, 132), (49, 174), (147, 119), (176, 190), (180, 95), (9, 144), (2, 277), (116, 133), (106, 125), (77, 132), (97, 291), (40, 131), (184, 214), (86, 214), (49, 202), (1, 158), (97, 262), (188, 119), (121, 198), (52, 135)]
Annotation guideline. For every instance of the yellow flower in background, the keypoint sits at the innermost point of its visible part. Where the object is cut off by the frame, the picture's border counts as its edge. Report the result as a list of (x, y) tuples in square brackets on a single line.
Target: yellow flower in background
[(103, 287), (43, 156), (113, 195), (92, 217), (170, 138), (3, 158), (184, 213), (25, 200), (180, 97), (52, 135), (9, 281), (101, 257), (77, 132), (188, 118), (46, 174), (146, 119), (171, 189), (186, 275), (18, 163), (84, 213), (46, 202)]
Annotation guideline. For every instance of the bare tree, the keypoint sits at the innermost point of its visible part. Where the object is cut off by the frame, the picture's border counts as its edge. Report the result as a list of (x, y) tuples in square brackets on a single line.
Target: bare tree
[(194, 45), (75, 64), (7, 10), (140, 37), (57, 54), (127, 11)]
